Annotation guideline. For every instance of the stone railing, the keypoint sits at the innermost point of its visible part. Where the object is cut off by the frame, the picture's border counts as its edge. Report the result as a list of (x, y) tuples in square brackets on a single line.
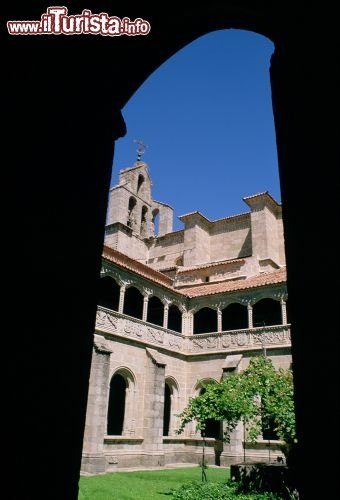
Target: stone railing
[(121, 325), (252, 338)]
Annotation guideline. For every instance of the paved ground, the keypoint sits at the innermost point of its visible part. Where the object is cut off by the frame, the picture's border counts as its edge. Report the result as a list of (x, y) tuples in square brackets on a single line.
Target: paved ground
[(168, 466)]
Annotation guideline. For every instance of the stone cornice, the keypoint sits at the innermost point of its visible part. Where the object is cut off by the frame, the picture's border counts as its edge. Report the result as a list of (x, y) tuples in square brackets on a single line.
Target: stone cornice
[(101, 346), (156, 357), (222, 264)]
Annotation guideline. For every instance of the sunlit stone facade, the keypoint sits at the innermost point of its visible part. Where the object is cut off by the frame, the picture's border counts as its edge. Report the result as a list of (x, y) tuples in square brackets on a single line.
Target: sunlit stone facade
[(178, 309)]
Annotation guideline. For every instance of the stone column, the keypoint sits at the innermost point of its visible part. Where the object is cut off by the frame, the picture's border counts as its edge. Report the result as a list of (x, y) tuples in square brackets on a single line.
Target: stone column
[(172, 417), (234, 450), (145, 307), (153, 409), (130, 415), (166, 313), (121, 299), (190, 323), (93, 460), (250, 315), (192, 431), (174, 410), (184, 322), (283, 311), (219, 320)]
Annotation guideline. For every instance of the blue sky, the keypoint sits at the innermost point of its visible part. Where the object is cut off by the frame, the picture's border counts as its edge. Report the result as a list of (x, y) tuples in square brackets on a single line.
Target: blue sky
[(206, 116)]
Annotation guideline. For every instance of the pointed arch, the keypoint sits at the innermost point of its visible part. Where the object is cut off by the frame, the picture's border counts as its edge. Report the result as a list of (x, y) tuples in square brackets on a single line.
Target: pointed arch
[(155, 311), (133, 302), (108, 293), (120, 414), (234, 317), (205, 320), (140, 182), (267, 312), (155, 221), (174, 318), (116, 407), (171, 404)]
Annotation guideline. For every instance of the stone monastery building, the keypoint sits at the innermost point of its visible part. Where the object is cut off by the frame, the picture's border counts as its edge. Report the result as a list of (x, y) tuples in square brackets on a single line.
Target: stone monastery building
[(177, 310)]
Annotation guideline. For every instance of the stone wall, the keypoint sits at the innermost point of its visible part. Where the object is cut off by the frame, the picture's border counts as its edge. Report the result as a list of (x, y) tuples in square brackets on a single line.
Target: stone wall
[(230, 238), (196, 242), (165, 251), (122, 238), (147, 357)]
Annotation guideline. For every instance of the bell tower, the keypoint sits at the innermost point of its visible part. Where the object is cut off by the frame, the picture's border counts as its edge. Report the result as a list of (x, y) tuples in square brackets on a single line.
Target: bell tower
[(130, 201), (132, 213)]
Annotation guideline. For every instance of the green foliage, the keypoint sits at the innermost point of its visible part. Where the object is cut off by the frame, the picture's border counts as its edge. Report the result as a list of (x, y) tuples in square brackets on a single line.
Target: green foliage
[(217, 491), (258, 394)]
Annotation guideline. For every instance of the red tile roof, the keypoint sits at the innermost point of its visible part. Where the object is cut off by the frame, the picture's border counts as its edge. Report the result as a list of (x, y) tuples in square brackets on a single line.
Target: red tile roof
[(263, 279), (123, 260)]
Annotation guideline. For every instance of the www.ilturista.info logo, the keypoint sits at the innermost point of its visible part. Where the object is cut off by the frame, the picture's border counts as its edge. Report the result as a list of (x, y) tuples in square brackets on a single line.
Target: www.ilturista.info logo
[(56, 21)]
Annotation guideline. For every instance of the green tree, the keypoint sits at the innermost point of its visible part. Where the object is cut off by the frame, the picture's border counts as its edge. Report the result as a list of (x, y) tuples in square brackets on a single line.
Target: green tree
[(258, 394)]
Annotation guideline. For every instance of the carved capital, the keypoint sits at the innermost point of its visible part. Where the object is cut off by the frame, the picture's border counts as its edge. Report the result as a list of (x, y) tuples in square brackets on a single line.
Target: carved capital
[(147, 292), (165, 300)]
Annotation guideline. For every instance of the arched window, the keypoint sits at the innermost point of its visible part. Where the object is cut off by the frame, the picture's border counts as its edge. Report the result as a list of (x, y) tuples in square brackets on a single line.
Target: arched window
[(205, 320), (155, 311), (167, 410), (267, 312), (234, 317), (133, 302), (108, 293), (143, 219), (268, 429), (174, 318), (140, 182), (170, 419), (116, 409), (131, 219), (213, 428), (155, 221)]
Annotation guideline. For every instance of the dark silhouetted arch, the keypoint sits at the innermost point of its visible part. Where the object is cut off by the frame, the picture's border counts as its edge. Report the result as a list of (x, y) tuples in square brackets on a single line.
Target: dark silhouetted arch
[(116, 410), (303, 71), (155, 311), (267, 312), (205, 320), (167, 410), (133, 302), (108, 293), (234, 317), (174, 319)]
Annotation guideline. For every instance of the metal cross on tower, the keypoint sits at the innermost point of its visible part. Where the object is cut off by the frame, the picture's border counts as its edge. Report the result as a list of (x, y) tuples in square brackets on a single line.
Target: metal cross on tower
[(141, 147)]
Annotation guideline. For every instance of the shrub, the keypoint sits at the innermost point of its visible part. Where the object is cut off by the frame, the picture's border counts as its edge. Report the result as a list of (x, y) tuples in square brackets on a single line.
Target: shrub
[(217, 491)]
